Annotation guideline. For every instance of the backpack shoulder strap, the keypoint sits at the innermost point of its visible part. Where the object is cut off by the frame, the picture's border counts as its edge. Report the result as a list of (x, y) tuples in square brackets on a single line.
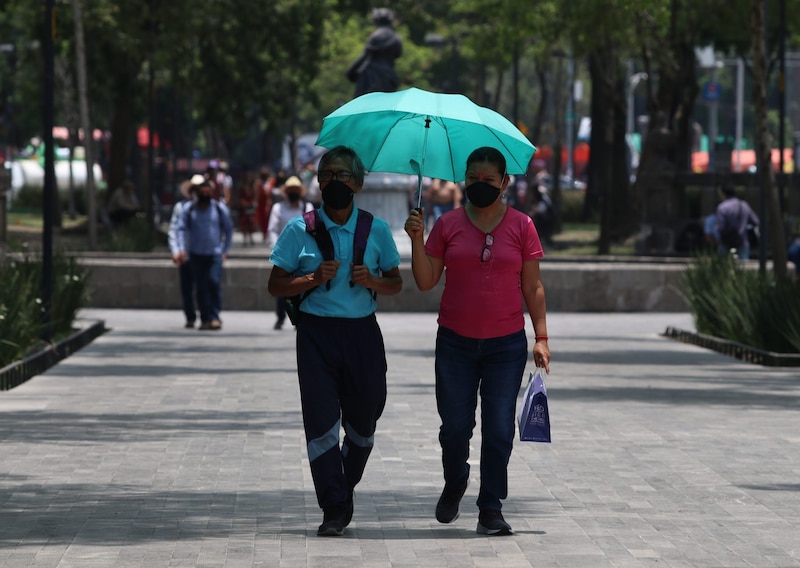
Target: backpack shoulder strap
[(315, 226), (221, 219), (363, 227)]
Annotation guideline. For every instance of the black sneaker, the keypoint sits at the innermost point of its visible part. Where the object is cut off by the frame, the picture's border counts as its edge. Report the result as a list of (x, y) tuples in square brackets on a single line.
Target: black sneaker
[(492, 523), (333, 522), (348, 509), (447, 507)]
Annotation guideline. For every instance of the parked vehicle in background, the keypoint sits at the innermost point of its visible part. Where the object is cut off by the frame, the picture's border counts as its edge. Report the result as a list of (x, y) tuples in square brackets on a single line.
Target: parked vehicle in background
[(566, 183)]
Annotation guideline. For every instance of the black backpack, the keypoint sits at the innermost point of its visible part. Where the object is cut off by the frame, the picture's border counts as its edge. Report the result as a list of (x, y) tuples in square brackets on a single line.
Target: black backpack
[(315, 226)]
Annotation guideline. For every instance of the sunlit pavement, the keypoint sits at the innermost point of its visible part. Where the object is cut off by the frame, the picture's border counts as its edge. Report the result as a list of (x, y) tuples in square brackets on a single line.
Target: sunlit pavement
[(159, 446)]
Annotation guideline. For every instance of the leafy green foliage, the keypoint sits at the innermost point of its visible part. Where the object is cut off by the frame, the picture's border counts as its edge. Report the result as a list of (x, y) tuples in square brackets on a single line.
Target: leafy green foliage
[(132, 236), (21, 305), (730, 301)]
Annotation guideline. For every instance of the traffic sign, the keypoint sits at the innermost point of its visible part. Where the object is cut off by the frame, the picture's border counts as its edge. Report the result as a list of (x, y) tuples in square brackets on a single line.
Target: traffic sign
[(712, 91)]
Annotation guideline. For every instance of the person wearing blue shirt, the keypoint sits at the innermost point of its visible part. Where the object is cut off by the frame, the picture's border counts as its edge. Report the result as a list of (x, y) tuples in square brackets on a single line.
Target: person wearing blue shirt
[(179, 257), (341, 360), (205, 232)]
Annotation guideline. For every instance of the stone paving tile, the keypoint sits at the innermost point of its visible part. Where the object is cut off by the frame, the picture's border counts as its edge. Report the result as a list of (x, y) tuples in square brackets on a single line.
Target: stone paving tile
[(158, 446)]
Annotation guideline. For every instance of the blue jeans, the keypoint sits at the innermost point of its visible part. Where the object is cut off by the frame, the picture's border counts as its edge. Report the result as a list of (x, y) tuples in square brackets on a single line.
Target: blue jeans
[(492, 367), (207, 275)]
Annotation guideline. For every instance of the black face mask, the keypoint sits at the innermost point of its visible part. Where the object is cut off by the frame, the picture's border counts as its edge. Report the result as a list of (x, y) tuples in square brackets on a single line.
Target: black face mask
[(482, 194), (293, 197), (204, 199), (337, 195)]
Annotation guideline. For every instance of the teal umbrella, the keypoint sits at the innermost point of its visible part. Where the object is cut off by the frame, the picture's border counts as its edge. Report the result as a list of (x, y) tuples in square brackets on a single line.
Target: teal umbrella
[(418, 132)]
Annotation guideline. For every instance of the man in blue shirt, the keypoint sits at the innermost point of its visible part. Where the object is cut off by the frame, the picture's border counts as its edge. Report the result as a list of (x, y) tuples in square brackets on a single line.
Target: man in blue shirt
[(341, 360), (179, 257), (207, 227)]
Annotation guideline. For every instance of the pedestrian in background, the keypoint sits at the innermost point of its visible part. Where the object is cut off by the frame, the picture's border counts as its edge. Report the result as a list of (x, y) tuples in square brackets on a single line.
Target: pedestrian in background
[(341, 359), (180, 257), (264, 201), (733, 216), (490, 255), (247, 207), (293, 205), (206, 233)]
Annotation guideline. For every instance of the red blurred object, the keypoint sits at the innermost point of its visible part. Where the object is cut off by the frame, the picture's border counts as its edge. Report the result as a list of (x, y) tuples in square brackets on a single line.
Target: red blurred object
[(142, 135)]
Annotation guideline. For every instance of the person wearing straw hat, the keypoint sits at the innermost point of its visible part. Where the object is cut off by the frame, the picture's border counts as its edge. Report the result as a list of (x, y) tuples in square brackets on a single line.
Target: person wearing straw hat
[(293, 205), (179, 257), (205, 232)]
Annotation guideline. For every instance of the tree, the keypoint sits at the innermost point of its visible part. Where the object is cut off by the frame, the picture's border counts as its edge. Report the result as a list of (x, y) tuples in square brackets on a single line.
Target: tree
[(764, 140)]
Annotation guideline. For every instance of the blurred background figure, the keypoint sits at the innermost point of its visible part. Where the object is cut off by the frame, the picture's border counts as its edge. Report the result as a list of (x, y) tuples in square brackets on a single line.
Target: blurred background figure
[(541, 211), (247, 207), (293, 205), (264, 201), (180, 258), (123, 204), (443, 196)]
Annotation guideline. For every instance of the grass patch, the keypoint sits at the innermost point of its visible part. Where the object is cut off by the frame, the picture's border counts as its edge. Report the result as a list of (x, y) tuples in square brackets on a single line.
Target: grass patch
[(580, 239)]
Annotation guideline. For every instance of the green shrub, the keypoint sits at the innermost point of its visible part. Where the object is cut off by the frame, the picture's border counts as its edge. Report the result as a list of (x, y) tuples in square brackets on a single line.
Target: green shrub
[(572, 206), (133, 236), (21, 310), (730, 301)]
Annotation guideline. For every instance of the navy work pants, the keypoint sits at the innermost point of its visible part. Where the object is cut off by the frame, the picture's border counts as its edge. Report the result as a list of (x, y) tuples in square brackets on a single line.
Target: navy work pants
[(341, 363), (207, 275), (187, 291)]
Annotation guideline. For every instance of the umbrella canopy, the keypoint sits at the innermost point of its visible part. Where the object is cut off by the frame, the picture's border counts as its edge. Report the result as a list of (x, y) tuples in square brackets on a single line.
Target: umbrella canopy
[(418, 132)]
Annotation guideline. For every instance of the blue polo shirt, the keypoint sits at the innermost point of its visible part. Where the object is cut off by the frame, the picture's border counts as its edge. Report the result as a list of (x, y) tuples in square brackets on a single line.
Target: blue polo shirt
[(297, 252)]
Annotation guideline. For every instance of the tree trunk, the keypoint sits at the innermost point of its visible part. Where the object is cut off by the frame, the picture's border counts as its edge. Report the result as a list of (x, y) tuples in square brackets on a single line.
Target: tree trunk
[(597, 157), (764, 140), (88, 138), (121, 124)]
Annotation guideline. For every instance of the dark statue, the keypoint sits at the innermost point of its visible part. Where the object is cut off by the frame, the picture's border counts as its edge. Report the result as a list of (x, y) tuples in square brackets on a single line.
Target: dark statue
[(374, 69)]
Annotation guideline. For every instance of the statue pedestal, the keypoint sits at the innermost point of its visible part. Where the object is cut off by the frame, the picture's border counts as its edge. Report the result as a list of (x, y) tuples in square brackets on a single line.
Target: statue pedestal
[(387, 196)]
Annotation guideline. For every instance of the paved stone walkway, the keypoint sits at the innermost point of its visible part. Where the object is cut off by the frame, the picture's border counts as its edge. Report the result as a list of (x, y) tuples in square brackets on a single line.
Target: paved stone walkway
[(157, 446)]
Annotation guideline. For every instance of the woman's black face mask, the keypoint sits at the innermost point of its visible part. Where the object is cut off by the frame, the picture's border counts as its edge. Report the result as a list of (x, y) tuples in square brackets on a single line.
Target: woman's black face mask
[(482, 194)]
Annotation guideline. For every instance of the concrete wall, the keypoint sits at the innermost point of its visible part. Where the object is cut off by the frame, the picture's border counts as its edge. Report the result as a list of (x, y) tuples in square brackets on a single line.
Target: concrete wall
[(570, 286)]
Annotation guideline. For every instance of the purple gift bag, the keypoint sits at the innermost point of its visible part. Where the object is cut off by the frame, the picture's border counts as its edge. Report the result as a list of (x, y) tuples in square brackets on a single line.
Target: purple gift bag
[(534, 416)]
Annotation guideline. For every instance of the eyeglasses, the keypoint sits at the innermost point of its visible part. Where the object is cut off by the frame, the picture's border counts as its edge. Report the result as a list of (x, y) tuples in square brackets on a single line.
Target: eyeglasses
[(486, 254), (327, 175)]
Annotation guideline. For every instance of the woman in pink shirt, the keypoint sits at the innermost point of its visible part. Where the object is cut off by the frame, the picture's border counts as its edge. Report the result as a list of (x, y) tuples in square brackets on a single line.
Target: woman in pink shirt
[(491, 253)]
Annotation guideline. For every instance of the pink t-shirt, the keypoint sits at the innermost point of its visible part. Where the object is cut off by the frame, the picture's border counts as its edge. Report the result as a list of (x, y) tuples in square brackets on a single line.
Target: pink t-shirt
[(483, 299)]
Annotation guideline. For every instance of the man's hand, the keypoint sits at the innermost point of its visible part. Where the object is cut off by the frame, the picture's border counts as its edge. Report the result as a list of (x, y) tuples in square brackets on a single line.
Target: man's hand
[(361, 275), (179, 258), (327, 271)]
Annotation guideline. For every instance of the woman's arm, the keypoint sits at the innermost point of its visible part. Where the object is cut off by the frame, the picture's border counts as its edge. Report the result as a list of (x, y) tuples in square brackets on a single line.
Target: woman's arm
[(533, 293), (427, 270)]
